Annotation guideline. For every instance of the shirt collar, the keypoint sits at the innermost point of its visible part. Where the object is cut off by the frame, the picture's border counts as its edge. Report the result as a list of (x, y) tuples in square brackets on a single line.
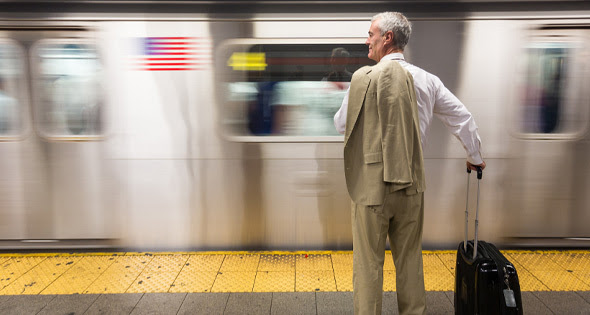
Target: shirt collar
[(393, 56)]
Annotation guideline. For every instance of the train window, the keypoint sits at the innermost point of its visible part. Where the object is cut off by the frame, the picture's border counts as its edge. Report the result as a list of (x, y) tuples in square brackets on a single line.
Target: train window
[(69, 96), (551, 102), (12, 87), (288, 92)]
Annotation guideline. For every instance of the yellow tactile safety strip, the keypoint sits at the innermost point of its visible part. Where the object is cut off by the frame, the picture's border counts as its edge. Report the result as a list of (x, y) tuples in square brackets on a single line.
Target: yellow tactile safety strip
[(85, 273)]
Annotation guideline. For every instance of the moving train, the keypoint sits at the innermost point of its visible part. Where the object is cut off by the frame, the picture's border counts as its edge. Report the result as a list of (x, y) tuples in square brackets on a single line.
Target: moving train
[(201, 125)]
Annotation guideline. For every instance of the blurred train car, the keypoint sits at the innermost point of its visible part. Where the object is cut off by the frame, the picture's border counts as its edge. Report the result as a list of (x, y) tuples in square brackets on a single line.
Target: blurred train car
[(208, 124)]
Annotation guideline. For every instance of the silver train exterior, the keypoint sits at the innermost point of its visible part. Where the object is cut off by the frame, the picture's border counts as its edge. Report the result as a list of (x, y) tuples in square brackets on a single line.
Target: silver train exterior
[(111, 136)]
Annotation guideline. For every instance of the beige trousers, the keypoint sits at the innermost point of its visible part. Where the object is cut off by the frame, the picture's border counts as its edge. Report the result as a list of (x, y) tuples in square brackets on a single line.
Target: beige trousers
[(401, 217)]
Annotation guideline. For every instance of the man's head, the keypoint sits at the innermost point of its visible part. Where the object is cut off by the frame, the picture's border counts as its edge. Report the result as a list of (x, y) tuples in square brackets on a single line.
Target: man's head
[(389, 32), (339, 58)]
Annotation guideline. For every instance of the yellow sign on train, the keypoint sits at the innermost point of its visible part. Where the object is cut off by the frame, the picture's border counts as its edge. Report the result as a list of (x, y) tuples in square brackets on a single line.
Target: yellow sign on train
[(247, 61)]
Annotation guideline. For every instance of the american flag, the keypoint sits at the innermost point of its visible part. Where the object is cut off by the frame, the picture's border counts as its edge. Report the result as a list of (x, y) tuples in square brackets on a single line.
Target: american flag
[(172, 54)]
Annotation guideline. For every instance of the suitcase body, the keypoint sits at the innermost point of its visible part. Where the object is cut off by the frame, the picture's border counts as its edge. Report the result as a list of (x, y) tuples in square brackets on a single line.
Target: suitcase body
[(487, 284), (485, 281)]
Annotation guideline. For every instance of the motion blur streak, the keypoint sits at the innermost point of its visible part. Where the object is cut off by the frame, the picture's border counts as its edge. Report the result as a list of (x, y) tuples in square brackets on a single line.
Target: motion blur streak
[(230, 144)]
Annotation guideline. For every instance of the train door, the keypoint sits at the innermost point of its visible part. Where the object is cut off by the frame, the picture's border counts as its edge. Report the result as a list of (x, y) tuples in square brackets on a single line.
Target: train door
[(550, 184), (13, 128), (58, 162)]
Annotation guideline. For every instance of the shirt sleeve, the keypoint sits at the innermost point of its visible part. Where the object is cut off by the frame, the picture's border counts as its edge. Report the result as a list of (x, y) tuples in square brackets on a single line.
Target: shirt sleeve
[(340, 117), (449, 109)]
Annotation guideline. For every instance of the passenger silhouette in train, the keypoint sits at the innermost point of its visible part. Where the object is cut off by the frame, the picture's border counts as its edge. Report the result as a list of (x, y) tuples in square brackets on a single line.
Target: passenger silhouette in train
[(339, 63), (550, 99), (260, 110), (7, 109), (257, 92), (76, 92)]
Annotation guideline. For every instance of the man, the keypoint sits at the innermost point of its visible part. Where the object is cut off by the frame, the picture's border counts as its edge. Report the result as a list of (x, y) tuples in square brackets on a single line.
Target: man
[(433, 97), (338, 63), (400, 214)]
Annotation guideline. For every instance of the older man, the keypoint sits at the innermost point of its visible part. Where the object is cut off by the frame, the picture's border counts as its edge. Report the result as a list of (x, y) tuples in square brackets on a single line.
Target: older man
[(387, 189)]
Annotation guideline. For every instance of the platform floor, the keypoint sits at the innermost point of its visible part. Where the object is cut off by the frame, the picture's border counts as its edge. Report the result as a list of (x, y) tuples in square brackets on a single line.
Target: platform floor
[(552, 282), (321, 303)]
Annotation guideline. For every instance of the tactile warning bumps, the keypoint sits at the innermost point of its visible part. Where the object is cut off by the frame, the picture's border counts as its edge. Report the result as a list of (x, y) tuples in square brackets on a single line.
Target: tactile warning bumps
[(19, 265), (436, 275), (561, 281), (111, 282), (240, 263), (284, 263), (535, 261), (313, 262), (574, 260), (129, 264), (539, 271), (342, 264), (204, 263), (153, 282), (194, 281), (12, 268), (342, 261), (166, 263), (449, 260), (274, 281), (40, 276), (527, 281), (234, 281), (82, 274), (388, 262), (310, 281), (343, 280), (159, 274), (71, 283), (314, 273), (92, 264), (258, 272), (120, 275), (388, 280)]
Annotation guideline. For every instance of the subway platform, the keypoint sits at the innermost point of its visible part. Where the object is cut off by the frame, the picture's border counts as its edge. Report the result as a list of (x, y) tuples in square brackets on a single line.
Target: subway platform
[(314, 282)]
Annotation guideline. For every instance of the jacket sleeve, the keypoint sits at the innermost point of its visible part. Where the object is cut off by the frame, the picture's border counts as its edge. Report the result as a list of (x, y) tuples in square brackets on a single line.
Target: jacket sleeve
[(396, 124)]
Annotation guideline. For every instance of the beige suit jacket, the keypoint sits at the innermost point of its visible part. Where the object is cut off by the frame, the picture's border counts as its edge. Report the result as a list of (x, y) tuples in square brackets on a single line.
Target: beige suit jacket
[(382, 151)]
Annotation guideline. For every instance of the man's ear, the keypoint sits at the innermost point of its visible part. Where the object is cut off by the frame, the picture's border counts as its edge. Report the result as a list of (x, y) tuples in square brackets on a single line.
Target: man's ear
[(389, 37)]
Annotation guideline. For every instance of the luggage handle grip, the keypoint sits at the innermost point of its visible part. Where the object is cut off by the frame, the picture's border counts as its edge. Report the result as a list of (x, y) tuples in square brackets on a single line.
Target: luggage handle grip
[(479, 177), (479, 171)]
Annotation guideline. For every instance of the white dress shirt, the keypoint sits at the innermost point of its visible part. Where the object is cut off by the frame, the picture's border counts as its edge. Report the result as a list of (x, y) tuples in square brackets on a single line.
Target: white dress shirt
[(433, 98)]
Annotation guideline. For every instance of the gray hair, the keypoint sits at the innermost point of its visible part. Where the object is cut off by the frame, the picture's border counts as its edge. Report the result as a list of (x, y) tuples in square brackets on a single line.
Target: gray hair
[(340, 52), (398, 24)]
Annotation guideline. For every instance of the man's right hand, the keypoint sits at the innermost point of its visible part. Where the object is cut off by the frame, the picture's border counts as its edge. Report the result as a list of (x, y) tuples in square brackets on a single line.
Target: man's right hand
[(473, 166)]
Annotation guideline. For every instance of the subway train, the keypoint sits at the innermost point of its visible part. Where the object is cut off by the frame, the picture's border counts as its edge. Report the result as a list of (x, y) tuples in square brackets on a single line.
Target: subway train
[(207, 125)]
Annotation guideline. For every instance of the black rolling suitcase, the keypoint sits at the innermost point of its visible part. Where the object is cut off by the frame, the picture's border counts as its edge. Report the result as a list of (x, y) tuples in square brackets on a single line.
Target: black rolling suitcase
[(485, 281)]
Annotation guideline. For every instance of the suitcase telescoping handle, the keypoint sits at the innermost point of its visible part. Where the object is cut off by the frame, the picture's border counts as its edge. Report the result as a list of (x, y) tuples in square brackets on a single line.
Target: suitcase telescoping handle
[(479, 176)]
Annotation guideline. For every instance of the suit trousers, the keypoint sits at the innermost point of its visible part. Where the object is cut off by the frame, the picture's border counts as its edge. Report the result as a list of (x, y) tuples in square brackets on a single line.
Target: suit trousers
[(401, 218)]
